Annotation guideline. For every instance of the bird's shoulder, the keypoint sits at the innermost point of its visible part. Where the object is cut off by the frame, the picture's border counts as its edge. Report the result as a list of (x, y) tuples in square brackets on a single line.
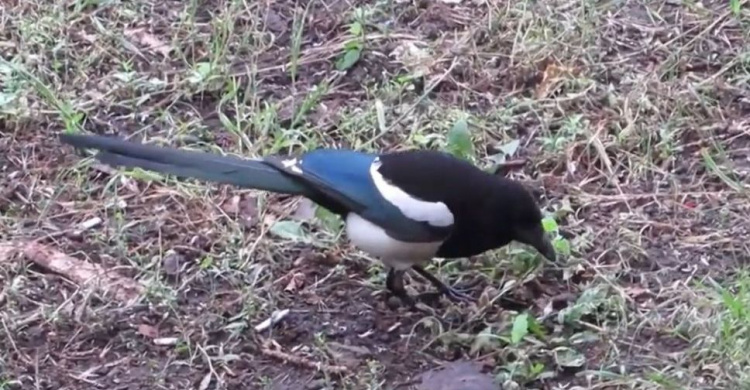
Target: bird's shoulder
[(351, 180), (435, 176)]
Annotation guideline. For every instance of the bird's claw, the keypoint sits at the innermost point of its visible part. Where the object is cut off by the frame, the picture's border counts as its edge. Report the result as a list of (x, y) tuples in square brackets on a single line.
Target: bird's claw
[(410, 303), (451, 293), (458, 295)]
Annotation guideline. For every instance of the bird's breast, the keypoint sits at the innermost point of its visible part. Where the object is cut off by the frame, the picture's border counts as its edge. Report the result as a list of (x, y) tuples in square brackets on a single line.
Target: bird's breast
[(374, 240)]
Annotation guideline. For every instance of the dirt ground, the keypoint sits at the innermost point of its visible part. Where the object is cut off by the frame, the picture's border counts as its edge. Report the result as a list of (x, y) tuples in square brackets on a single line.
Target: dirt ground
[(632, 120)]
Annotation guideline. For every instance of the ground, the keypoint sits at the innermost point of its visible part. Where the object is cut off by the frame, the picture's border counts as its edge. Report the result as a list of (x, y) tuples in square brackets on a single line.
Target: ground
[(630, 121)]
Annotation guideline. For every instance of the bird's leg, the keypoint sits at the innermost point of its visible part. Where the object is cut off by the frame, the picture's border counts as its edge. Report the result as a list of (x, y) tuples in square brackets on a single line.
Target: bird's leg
[(394, 282), (450, 292)]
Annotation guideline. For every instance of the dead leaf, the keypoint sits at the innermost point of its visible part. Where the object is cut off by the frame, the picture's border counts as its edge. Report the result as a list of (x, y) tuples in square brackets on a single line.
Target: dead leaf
[(417, 60), (635, 291), (232, 205), (459, 375), (147, 39), (305, 210), (248, 210), (295, 282), (148, 331), (274, 22), (551, 76)]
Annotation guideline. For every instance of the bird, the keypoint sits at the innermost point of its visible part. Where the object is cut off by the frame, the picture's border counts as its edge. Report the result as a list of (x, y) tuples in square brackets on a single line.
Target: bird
[(404, 207)]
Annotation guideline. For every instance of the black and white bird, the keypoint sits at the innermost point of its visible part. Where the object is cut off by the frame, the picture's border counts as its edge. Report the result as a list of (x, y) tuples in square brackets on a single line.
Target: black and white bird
[(404, 207)]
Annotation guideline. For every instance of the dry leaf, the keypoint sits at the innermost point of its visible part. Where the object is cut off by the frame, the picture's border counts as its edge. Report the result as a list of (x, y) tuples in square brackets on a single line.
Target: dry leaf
[(635, 292), (418, 60), (148, 331), (147, 39), (457, 375), (232, 205), (551, 76), (305, 210), (295, 282)]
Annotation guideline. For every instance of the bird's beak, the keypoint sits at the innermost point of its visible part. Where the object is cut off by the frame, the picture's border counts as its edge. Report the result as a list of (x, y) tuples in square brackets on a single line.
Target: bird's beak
[(537, 238)]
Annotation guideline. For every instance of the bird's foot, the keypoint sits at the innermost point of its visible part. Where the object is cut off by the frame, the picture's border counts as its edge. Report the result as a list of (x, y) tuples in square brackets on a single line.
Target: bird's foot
[(395, 300), (395, 284), (452, 293)]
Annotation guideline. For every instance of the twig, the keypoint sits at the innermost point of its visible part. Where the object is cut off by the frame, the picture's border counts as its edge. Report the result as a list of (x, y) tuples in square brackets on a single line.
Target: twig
[(81, 272), (300, 361)]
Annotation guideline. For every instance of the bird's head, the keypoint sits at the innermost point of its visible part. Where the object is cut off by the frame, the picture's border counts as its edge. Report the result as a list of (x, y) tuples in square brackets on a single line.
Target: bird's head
[(525, 219)]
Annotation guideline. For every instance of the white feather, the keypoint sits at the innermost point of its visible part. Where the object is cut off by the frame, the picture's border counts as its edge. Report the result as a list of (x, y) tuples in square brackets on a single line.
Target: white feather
[(397, 254), (434, 213), (293, 165)]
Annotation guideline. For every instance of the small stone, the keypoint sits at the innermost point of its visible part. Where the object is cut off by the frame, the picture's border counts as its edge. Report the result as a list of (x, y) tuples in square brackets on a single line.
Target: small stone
[(172, 262)]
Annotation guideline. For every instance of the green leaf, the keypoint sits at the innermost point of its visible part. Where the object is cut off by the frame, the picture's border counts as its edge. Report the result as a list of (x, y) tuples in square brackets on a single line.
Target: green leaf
[(734, 5), (207, 262), (459, 139), (566, 357), (561, 245), (549, 224), (520, 328), (6, 99), (355, 28), (291, 230), (330, 221), (536, 328), (350, 58)]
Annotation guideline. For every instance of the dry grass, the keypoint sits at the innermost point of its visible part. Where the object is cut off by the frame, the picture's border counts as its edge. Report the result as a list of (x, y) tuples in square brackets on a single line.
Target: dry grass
[(633, 117)]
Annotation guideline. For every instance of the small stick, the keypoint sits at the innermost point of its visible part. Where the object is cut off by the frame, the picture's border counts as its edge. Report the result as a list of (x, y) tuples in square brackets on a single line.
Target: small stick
[(81, 272), (300, 361)]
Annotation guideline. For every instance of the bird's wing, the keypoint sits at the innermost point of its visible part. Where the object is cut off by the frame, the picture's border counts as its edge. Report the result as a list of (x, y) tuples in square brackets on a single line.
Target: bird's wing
[(350, 181)]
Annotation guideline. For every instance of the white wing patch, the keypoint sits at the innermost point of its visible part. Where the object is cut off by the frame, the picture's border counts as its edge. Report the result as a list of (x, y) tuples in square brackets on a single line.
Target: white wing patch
[(293, 165), (434, 213)]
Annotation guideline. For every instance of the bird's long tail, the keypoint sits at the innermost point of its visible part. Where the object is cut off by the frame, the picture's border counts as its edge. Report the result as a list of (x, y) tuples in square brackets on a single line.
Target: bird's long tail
[(187, 164)]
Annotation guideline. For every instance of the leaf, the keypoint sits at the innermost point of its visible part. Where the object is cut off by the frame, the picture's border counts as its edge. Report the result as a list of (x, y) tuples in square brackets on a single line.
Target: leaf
[(520, 328), (589, 301), (536, 328), (295, 282), (459, 374), (147, 39), (200, 72), (205, 381), (734, 5), (484, 341), (355, 28), (351, 56), (510, 148), (459, 139), (567, 357), (305, 210), (6, 99), (561, 245), (549, 224), (330, 221), (148, 331), (291, 230), (552, 75)]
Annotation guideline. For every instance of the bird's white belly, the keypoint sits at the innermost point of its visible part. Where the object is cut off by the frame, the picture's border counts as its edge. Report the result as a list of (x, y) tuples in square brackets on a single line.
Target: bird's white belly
[(394, 253)]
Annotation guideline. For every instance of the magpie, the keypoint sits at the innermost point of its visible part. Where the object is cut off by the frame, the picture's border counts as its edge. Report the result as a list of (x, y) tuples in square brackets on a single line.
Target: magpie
[(403, 207)]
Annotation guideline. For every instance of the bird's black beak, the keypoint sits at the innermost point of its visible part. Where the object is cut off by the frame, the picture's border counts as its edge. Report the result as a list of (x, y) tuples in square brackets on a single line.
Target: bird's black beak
[(536, 237)]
